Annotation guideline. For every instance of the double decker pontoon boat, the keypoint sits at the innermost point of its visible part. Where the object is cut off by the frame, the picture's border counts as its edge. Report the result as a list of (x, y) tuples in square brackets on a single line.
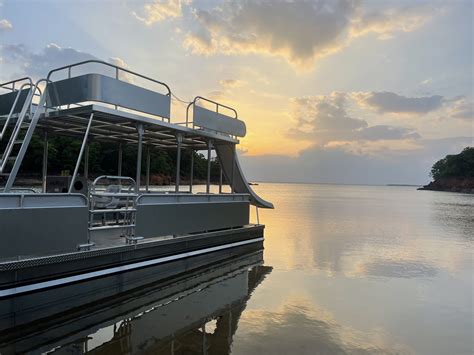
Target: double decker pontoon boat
[(78, 229)]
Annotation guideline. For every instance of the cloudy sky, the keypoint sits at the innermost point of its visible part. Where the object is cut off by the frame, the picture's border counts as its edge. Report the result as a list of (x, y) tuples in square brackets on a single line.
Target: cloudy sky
[(331, 91)]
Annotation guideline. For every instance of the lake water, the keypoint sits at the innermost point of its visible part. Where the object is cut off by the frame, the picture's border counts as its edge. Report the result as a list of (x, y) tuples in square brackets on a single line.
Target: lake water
[(347, 269)]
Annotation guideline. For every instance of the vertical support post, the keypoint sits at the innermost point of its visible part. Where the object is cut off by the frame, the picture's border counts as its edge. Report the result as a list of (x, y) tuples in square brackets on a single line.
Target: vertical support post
[(86, 162), (148, 159), (140, 131), (120, 153), (191, 175), (179, 139), (220, 179), (232, 172), (81, 152), (208, 182), (45, 160)]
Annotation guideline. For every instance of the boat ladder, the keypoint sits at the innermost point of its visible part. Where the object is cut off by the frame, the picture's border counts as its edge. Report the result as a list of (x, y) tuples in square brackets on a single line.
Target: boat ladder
[(113, 208), (19, 126)]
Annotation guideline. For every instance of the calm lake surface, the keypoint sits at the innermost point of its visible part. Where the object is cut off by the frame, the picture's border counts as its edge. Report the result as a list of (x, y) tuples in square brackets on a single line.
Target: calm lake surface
[(347, 269)]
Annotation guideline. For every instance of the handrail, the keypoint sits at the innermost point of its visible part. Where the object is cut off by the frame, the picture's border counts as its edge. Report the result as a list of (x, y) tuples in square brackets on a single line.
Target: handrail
[(113, 177), (193, 103), (16, 81), (117, 69), (4, 129)]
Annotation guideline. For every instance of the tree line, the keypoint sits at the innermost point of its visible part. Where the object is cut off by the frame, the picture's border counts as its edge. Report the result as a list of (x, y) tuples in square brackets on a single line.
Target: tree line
[(455, 166), (103, 160)]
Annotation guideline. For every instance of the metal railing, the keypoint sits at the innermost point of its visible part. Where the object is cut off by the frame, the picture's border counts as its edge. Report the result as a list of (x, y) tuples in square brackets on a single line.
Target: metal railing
[(117, 72), (197, 98), (117, 208)]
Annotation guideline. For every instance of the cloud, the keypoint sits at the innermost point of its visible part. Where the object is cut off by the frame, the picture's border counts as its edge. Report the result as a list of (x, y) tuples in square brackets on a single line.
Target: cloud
[(391, 102), (298, 31), (323, 119), (462, 108), (386, 22), (5, 25), (161, 10), (53, 56), (337, 165), (231, 83)]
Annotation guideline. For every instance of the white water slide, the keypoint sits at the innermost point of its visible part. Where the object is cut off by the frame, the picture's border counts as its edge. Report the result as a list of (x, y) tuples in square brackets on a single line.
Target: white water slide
[(224, 153), (216, 121)]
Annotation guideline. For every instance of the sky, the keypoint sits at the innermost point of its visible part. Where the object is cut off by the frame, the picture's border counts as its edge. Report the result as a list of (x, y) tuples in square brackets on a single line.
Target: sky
[(331, 91)]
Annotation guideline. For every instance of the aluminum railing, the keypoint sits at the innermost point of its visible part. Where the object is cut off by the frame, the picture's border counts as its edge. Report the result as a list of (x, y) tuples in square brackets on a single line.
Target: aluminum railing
[(200, 98), (116, 206), (117, 72)]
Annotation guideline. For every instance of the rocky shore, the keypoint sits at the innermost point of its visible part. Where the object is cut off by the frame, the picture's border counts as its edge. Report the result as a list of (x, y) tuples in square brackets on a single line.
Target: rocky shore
[(463, 185)]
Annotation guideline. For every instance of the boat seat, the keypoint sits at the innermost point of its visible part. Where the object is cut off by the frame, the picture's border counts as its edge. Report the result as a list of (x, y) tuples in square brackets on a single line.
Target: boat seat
[(111, 202)]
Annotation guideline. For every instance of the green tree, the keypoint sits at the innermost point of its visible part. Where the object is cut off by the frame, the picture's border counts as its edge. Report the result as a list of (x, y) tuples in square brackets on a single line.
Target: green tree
[(460, 165)]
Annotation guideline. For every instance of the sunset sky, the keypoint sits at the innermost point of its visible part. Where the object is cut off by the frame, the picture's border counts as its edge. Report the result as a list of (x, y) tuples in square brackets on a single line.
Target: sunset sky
[(331, 91)]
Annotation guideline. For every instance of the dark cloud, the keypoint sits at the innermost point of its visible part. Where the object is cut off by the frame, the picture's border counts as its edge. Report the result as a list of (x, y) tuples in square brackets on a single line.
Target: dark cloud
[(336, 165), (37, 65), (325, 119), (391, 102), (299, 31)]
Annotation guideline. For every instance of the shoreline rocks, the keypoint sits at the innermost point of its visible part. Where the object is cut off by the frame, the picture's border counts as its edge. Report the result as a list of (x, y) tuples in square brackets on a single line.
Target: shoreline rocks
[(462, 185)]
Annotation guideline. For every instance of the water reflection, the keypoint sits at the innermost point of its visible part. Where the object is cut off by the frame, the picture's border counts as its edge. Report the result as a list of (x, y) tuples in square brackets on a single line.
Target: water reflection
[(195, 314)]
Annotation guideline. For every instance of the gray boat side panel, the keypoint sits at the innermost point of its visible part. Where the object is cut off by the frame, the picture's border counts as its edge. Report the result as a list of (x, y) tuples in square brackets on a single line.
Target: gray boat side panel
[(57, 267), (39, 231), (7, 100), (215, 121), (224, 153), (182, 218), (32, 307), (102, 88)]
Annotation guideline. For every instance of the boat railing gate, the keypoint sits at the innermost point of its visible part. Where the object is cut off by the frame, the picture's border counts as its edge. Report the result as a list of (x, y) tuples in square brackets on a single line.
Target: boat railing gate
[(117, 76), (116, 204)]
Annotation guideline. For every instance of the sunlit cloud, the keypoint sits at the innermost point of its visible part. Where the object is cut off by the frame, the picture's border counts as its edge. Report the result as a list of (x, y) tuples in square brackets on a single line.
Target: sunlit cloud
[(160, 10), (232, 83), (386, 23), (301, 32), (5, 25), (462, 108)]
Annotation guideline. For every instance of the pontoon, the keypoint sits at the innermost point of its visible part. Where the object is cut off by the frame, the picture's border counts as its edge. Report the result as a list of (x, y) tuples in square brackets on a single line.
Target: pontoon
[(83, 227)]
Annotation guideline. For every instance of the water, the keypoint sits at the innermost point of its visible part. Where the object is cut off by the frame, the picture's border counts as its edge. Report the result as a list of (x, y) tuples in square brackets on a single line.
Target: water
[(347, 269)]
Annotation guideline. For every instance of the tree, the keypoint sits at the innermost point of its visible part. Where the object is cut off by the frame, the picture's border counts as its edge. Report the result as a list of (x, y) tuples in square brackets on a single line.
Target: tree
[(460, 165)]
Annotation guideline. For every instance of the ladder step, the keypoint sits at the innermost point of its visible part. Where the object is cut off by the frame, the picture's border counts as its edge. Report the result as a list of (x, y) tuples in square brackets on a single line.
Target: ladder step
[(18, 141), (114, 210), (8, 159), (111, 227)]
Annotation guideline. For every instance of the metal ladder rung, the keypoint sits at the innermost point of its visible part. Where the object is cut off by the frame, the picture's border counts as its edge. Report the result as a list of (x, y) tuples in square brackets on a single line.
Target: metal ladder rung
[(9, 158), (112, 227), (18, 141), (114, 210)]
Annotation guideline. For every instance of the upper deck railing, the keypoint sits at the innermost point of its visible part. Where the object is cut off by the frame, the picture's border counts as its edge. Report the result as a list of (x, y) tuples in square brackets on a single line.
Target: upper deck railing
[(116, 67)]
